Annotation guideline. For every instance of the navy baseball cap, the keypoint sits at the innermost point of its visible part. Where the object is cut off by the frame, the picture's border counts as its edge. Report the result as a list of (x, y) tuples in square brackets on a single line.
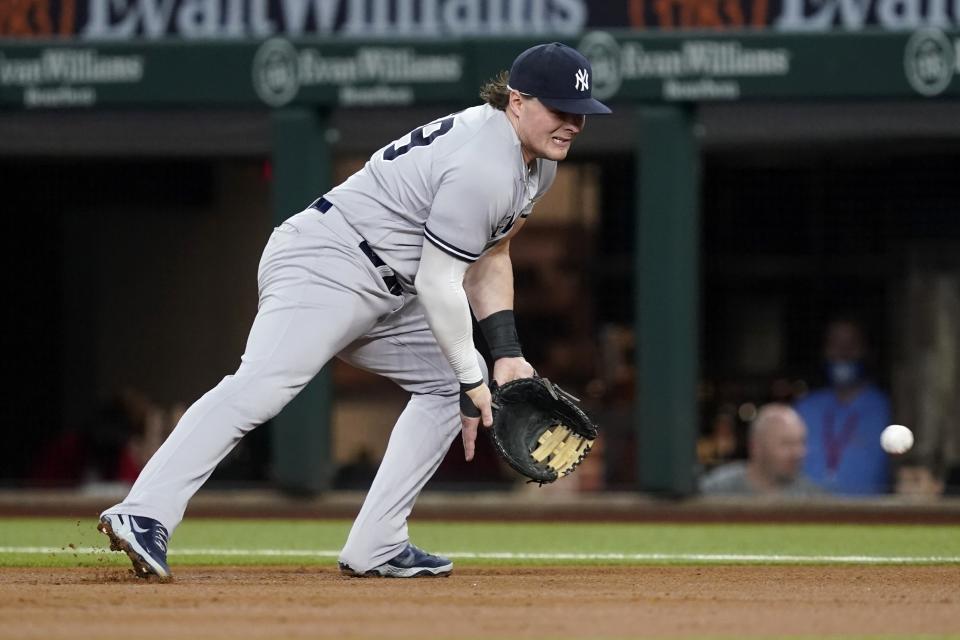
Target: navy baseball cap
[(557, 75)]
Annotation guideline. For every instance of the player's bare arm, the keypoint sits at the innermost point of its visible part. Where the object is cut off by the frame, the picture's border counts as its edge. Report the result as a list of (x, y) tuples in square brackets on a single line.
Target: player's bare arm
[(489, 281), (489, 287)]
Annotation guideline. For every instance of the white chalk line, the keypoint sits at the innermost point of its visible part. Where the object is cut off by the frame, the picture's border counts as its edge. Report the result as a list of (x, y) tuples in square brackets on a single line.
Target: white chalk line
[(718, 558)]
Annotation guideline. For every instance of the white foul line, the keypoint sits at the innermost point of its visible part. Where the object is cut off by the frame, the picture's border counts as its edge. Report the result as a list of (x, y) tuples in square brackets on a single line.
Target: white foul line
[(707, 558)]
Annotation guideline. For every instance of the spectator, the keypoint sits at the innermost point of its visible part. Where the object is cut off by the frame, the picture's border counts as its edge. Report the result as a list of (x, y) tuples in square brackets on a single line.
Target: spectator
[(720, 444), (778, 445), (110, 447), (846, 418)]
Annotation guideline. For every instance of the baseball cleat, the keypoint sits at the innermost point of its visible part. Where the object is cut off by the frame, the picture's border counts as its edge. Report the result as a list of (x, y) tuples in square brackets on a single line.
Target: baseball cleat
[(412, 562), (144, 540)]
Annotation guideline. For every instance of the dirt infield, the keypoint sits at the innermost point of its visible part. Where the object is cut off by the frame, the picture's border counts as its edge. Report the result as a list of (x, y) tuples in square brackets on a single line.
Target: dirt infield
[(488, 603)]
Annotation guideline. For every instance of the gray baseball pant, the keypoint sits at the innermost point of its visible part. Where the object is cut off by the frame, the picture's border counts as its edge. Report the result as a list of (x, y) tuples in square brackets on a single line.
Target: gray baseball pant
[(320, 296)]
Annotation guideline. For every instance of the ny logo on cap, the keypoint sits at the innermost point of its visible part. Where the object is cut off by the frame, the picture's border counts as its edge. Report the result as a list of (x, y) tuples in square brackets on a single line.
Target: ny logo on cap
[(582, 80)]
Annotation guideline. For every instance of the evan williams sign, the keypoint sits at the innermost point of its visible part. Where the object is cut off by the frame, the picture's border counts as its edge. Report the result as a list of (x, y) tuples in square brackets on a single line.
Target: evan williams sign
[(369, 76), (789, 15), (686, 70), (237, 19), (68, 77), (369, 19)]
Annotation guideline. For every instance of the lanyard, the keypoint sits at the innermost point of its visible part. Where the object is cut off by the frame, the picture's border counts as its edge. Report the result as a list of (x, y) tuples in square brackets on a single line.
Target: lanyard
[(834, 443)]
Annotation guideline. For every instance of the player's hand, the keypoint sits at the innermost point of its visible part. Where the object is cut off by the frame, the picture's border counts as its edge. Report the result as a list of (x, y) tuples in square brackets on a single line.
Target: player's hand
[(480, 396), (508, 369)]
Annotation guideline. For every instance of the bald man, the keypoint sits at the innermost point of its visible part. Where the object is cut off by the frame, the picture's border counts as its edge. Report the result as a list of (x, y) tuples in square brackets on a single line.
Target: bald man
[(778, 446)]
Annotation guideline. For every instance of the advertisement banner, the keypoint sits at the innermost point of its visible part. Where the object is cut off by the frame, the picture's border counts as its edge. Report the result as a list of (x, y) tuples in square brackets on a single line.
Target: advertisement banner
[(451, 19), (273, 73), (628, 68), (697, 69)]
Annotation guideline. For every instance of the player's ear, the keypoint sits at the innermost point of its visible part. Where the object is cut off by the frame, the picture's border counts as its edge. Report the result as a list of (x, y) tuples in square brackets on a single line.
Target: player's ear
[(515, 103)]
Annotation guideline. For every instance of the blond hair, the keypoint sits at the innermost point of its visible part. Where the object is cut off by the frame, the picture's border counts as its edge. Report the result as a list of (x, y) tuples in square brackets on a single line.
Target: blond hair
[(496, 92)]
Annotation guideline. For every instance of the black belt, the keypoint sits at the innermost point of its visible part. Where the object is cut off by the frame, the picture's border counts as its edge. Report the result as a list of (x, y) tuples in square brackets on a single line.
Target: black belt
[(389, 277)]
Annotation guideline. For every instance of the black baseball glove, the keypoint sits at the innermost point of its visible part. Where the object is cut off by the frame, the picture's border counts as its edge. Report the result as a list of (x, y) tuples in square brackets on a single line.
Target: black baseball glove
[(539, 429)]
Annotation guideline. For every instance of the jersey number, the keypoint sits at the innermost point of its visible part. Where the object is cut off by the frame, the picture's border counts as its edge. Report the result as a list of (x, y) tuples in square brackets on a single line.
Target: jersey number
[(419, 137)]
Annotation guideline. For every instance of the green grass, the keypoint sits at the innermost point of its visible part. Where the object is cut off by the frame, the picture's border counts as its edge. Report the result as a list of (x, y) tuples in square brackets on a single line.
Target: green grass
[(54, 537)]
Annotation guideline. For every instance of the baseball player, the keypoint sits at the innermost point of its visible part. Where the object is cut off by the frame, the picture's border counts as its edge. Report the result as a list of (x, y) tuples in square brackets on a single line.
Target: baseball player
[(383, 272)]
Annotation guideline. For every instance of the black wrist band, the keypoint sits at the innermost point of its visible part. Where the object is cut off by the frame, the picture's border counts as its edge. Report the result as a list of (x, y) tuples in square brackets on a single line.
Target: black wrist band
[(467, 407), (500, 331)]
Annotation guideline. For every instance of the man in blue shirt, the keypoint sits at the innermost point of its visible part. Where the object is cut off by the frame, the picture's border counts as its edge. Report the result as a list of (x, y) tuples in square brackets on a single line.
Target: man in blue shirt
[(844, 420)]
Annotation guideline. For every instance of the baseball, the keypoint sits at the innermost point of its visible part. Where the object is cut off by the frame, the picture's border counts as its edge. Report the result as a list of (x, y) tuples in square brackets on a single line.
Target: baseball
[(896, 439)]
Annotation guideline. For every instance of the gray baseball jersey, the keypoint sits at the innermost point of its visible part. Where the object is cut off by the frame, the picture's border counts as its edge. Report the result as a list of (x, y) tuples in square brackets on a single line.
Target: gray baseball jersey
[(459, 181)]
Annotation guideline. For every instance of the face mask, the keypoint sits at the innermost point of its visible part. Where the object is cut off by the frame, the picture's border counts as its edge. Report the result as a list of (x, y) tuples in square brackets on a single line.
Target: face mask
[(844, 373)]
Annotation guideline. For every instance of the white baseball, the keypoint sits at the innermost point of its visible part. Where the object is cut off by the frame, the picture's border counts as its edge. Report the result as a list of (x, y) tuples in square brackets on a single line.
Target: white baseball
[(896, 439)]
